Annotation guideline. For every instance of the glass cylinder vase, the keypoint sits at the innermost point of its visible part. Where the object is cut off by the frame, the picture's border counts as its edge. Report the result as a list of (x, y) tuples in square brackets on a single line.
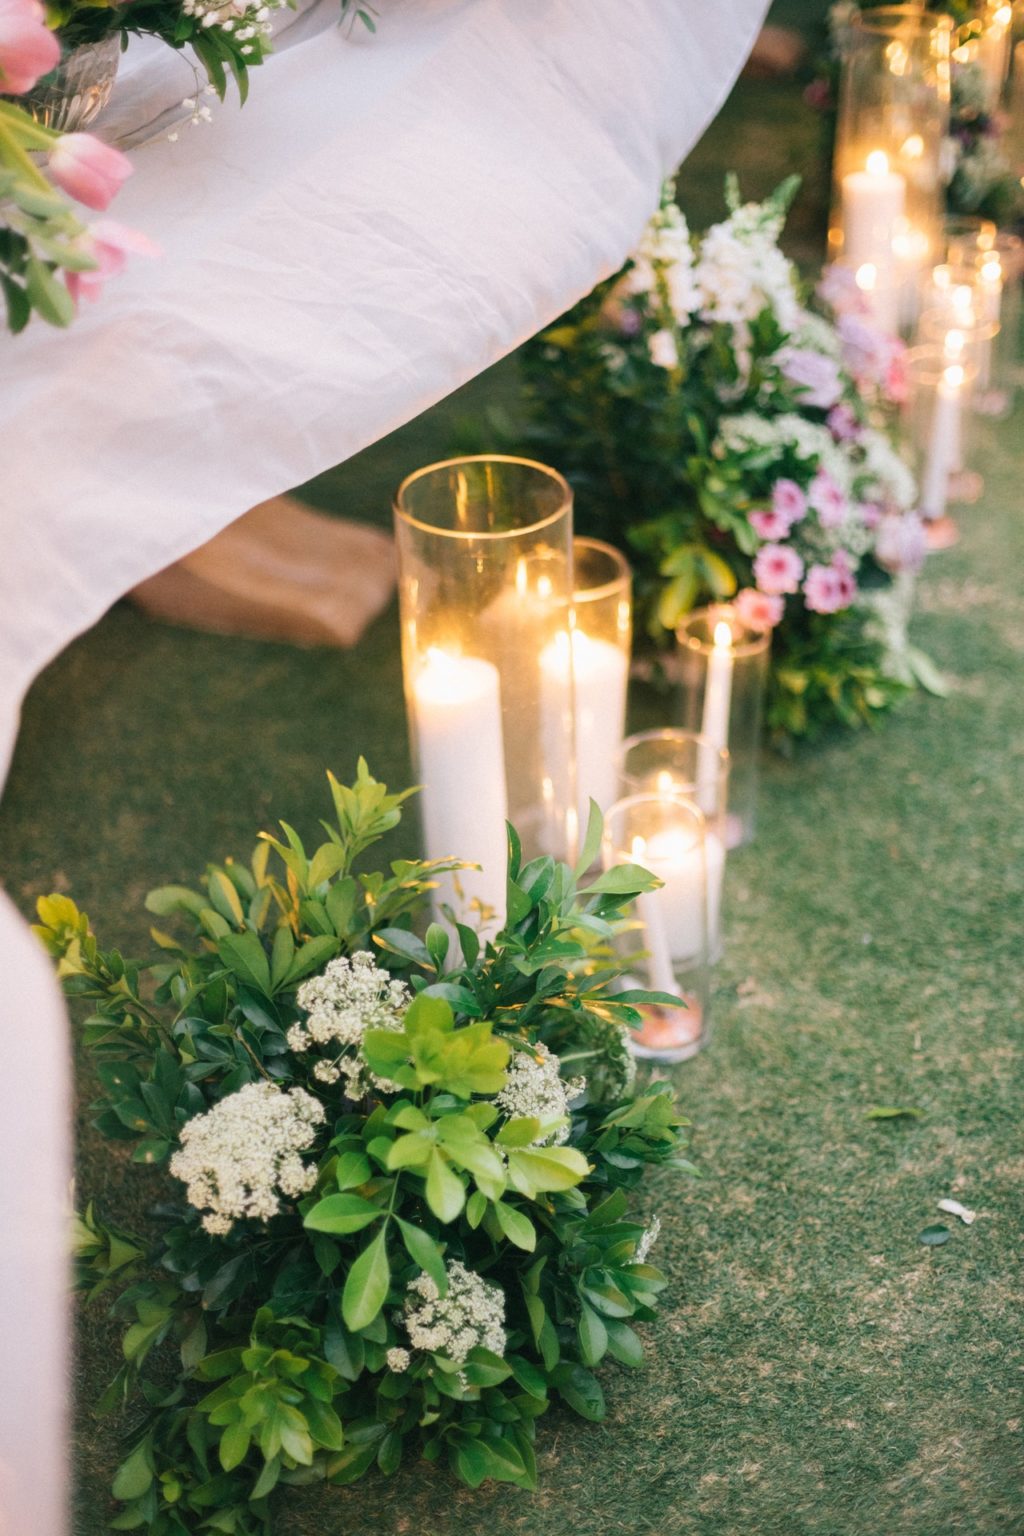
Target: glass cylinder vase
[(723, 665), (74, 94), (485, 581), (671, 762), (667, 951), (937, 418), (893, 119), (602, 631)]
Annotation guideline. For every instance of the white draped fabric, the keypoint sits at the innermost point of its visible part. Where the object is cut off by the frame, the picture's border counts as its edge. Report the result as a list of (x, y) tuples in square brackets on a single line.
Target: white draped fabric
[(388, 216)]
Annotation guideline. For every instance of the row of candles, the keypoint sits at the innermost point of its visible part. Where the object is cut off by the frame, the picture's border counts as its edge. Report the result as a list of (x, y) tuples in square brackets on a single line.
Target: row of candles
[(516, 657), (951, 287)]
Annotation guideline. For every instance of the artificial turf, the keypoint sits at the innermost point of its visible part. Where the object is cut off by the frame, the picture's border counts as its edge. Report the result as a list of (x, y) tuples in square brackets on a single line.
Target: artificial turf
[(816, 1371)]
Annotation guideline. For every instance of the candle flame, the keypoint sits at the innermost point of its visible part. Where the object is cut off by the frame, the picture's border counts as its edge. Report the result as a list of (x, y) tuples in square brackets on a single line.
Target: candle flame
[(544, 586), (913, 147), (521, 577), (723, 636), (1003, 16), (666, 783), (878, 163), (639, 849), (962, 297), (866, 277), (992, 268), (941, 276), (954, 376), (954, 343)]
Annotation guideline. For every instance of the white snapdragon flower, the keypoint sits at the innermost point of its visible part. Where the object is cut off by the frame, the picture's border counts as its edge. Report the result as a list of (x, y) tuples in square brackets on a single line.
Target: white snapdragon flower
[(741, 271), (663, 350), (243, 1154), (663, 261), (470, 1316), (342, 1003), (535, 1089)]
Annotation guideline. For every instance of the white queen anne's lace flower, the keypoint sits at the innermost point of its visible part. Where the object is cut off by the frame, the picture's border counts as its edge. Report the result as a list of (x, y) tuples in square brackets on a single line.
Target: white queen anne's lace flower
[(536, 1090), (470, 1316), (243, 1154), (342, 1003)]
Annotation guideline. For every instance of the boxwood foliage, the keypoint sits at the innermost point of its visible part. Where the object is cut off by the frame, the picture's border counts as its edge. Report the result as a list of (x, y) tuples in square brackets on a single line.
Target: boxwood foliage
[(260, 1357)]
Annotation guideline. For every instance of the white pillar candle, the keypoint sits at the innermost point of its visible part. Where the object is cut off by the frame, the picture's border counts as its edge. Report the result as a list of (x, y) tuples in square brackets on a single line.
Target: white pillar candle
[(677, 915), (457, 712), (714, 726), (944, 452), (600, 681), (873, 205), (882, 294)]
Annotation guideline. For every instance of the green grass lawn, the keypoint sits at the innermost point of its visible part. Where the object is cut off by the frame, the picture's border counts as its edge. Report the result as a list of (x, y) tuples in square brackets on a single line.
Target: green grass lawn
[(816, 1371)]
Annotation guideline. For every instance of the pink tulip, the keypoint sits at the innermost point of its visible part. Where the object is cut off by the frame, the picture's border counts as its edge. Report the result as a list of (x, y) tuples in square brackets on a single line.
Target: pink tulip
[(87, 169), (28, 48), (110, 244)]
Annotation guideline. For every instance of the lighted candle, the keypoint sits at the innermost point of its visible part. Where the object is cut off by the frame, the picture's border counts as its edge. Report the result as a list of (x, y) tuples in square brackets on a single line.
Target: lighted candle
[(600, 681), (457, 713), (667, 785), (944, 451), (881, 294), (873, 205), (676, 915), (715, 719)]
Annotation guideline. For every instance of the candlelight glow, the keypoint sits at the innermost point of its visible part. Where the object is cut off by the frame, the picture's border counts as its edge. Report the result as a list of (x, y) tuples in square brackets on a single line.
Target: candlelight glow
[(1002, 17), (878, 163), (866, 276), (912, 148), (442, 678), (666, 783), (954, 376), (723, 636)]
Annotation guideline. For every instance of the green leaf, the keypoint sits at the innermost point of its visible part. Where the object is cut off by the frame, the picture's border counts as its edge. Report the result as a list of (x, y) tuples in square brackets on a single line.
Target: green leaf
[(224, 898), (313, 955), (48, 297), (591, 840), (934, 1237), (581, 1391), (135, 1474), (477, 1459), (521, 1132), (281, 956), (519, 1229), (341, 1214), (892, 1112), (366, 1288), (234, 1445), (593, 1336), (623, 1344), (547, 1168), (446, 1193), (622, 880), (352, 1170), (244, 954), (425, 1252)]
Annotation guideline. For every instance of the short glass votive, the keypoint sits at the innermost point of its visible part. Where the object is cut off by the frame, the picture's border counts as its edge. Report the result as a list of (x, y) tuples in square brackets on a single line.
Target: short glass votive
[(938, 423), (666, 835), (671, 762), (485, 581), (723, 666), (602, 632)]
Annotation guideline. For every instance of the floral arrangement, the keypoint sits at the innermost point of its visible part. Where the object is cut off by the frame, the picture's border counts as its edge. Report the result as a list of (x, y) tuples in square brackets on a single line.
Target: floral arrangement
[(49, 258), (393, 1221), (737, 440)]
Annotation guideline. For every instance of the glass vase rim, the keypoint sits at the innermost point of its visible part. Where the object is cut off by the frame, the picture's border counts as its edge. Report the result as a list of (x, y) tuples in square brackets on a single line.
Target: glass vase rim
[(929, 362), (605, 588), (881, 18), (936, 321), (760, 639), (674, 799), (550, 518), (673, 732)]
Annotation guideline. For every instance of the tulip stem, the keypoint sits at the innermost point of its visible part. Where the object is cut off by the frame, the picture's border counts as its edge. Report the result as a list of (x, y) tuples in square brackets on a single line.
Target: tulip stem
[(28, 130)]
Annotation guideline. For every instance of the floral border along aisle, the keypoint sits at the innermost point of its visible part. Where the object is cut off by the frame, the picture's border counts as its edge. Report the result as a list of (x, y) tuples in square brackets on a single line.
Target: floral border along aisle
[(740, 442), (391, 1224)]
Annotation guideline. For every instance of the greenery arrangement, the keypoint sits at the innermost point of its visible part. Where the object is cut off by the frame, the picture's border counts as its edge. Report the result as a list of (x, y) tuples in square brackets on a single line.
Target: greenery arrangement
[(401, 1228), (737, 441)]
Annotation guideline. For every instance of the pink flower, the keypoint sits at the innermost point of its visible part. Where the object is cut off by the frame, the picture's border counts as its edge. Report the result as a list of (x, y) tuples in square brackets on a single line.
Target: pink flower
[(843, 424), (28, 48), (110, 244), (827, 500), (816, 376), (818, 94), (830, 587), (778, 569), (897, 380), (769, 524), (757, 610), (870, 515), (87, 169), (789, 501)]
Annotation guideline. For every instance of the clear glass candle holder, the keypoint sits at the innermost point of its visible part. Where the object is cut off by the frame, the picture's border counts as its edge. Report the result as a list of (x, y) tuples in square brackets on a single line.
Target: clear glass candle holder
[(485, 581), (937, 419), (602, 633), (984, 43), (893, 118), (965, 335), (667, 950), (723, 665), (671, 762), (996, 260)]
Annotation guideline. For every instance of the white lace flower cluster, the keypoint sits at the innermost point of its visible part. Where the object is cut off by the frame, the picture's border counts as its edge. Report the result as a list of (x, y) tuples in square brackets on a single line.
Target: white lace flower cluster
[(535, 1089), (243, 1154), (342, 1003), (741, 270), (470, 1316), (248, 22), (663, 263)]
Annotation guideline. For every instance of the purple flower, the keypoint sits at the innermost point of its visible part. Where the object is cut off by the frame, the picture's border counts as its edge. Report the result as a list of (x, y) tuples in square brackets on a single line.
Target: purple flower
[(789, 501), (843, 424), (816, 376), (827, 499), (901, 543), (778, 569), (838, 288)]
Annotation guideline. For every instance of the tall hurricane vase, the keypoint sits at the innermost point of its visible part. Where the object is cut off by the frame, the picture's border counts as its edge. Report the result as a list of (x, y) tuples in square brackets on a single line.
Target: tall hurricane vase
[(485, 565)]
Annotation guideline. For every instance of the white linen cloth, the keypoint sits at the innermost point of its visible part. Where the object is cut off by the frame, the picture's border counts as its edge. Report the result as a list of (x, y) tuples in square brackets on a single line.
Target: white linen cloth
[(386, 217)]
